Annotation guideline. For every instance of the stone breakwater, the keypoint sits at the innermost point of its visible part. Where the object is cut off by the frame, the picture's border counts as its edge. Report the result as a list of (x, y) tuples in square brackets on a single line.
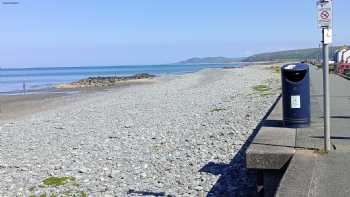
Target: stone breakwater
[(179, 136), (105, 81)]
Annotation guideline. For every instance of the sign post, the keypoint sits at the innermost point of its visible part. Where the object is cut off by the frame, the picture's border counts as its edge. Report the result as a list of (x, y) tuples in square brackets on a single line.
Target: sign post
[(324, 8)]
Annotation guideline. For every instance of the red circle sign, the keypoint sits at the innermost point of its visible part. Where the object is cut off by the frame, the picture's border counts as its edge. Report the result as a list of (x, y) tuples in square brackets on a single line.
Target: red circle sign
[(324, 15)]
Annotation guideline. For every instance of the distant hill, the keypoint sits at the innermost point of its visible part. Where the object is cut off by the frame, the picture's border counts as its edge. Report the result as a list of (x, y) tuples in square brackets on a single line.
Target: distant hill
[(299, 54), (210, 60), (292, 55)]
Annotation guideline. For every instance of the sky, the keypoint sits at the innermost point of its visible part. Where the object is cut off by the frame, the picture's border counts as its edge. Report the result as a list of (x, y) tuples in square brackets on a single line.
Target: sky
[(41, 33)]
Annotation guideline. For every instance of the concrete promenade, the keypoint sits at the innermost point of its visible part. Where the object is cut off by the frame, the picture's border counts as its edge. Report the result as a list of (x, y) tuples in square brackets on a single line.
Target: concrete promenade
[(311, 171)]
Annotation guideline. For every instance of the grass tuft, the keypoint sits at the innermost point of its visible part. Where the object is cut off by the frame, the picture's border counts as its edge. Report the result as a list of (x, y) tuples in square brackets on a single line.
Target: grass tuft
[(58, 181), (276, 69), (261, 88), (42, 195), (83, 194), (320, 152)]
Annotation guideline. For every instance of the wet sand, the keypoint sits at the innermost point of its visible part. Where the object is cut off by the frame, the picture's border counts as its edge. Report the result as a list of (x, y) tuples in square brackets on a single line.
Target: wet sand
[(13, 107)]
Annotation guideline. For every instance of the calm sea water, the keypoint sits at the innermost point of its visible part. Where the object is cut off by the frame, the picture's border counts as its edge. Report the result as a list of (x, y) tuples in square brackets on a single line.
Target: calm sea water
[(12, 80)]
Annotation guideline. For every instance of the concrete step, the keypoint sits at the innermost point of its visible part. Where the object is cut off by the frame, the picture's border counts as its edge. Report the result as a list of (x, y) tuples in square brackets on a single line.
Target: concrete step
[(274, 144), (298, 180)]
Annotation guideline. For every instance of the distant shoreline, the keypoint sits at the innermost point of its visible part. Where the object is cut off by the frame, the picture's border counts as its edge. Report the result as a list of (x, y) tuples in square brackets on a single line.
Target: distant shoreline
[(109, 81), (17, 103), (46, 78), (111, 66)]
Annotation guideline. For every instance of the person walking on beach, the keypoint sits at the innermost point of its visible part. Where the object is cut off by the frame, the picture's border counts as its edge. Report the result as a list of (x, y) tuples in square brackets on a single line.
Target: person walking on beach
[(24, 87)]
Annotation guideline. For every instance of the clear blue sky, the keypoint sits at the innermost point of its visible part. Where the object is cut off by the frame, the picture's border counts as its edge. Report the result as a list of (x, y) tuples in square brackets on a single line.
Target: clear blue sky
[(114, 32)]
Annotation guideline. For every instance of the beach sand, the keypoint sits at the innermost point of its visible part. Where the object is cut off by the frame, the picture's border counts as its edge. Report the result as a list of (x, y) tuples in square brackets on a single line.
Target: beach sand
[(14, 107), (176, 136)]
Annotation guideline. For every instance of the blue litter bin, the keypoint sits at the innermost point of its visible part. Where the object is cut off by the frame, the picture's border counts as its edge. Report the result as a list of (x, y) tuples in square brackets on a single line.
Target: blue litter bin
[(296, 95)]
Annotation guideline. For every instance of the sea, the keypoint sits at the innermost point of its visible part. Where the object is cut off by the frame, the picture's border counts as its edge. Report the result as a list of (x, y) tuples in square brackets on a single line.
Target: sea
[(15, 80)]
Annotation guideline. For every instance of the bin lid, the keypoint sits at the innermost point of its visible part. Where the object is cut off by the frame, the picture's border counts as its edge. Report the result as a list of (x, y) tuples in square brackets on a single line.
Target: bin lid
[(295, 67)]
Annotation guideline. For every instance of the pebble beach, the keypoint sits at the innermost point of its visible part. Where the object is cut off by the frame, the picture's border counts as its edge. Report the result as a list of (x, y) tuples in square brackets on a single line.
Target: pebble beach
[(180, 135)]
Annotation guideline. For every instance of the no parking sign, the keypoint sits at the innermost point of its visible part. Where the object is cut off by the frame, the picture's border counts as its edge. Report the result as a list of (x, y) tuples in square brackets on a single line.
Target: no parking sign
[(324, 13)]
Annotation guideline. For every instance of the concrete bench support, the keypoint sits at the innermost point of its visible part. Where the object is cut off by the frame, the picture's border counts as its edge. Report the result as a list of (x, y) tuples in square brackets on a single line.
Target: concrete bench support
[(297, 179), (272, 148), (260, 183)]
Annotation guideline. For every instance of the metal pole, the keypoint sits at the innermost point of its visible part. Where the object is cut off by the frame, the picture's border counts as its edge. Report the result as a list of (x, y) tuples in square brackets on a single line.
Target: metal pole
[(326, 106)]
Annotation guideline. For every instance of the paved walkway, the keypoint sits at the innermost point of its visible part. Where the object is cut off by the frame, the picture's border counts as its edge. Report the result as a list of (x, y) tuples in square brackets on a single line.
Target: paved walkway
[(331, 172)]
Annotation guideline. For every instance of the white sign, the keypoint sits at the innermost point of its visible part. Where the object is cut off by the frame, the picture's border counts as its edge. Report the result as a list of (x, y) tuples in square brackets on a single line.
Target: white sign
[(290, 67), (295, 102), (327, 36), (324, 13)]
